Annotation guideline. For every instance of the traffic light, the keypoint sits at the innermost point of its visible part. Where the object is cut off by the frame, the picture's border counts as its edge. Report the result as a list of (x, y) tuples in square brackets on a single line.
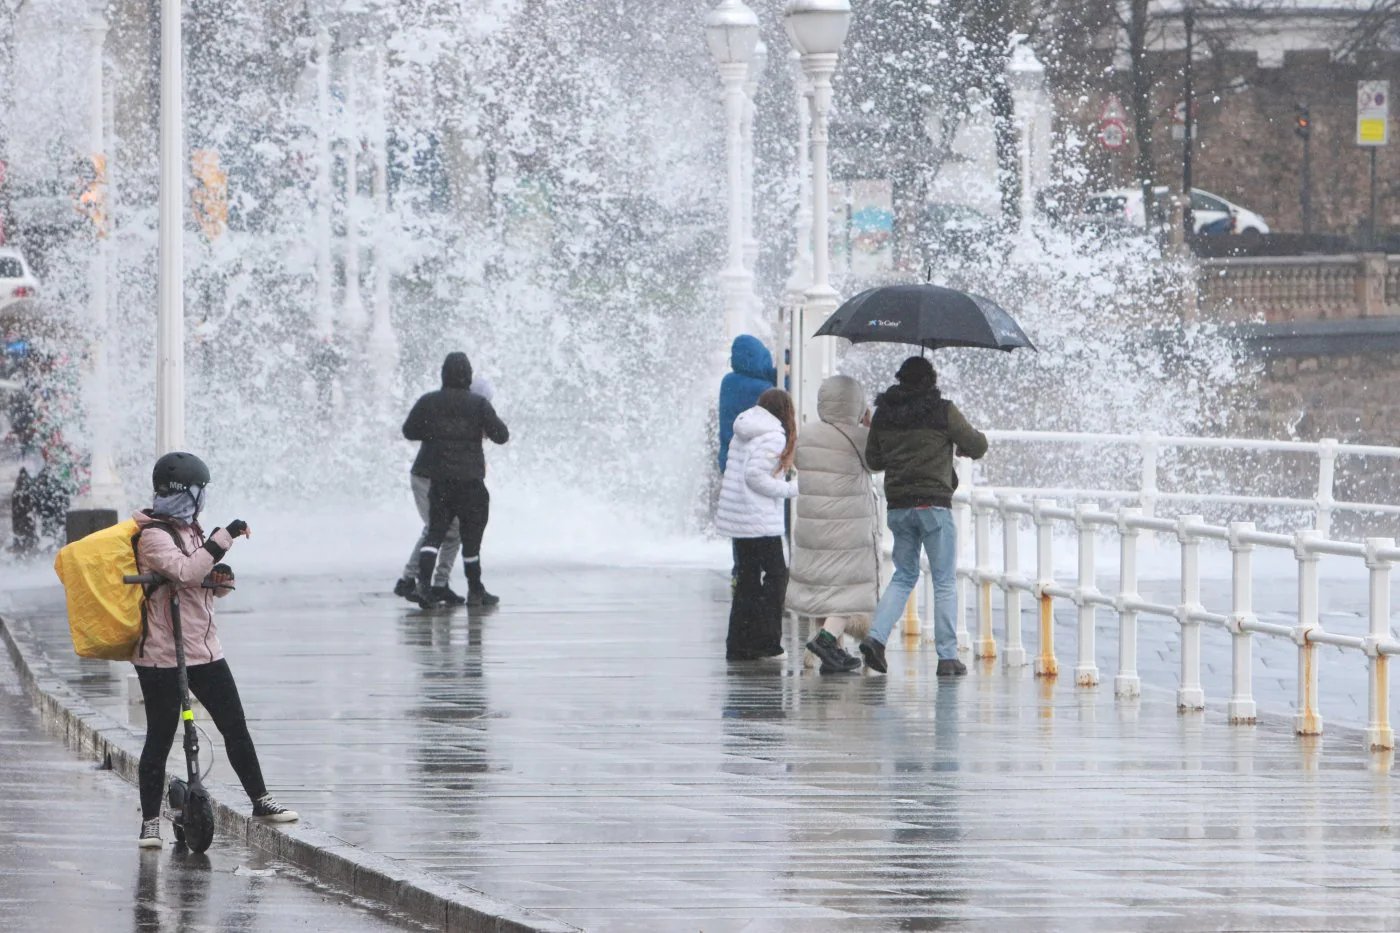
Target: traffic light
[(210, 197), (1302, 121), (92, 199)]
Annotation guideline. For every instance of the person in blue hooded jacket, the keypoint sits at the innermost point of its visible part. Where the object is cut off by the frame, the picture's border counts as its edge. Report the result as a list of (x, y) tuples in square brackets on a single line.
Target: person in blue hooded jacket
[(753, 374)]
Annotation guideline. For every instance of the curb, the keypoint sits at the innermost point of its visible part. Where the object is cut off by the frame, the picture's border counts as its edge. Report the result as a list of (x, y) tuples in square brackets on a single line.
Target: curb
[(421, 896)]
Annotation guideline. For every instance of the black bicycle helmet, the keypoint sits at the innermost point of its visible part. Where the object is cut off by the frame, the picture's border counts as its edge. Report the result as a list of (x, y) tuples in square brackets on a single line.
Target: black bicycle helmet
[(178, 472)]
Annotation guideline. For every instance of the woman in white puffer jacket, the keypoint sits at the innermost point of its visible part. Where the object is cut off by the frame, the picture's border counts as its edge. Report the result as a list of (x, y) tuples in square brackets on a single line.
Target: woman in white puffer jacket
[(751, 512), (836, 537)]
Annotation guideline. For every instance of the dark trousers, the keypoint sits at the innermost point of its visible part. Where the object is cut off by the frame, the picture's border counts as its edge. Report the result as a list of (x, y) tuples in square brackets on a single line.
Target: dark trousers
[(756, 615), (466, 502), (213, 685)]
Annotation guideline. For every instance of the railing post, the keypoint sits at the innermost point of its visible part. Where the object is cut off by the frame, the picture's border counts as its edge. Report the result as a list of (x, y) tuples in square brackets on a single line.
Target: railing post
[(1307, 721), (961, 514), (1011, 594), (1241, 709), (1086, 672), (1190, 696), (1045, 665), (1379, 735), (1326, 474), (1127, 684), (1149, 446), (986, 645)]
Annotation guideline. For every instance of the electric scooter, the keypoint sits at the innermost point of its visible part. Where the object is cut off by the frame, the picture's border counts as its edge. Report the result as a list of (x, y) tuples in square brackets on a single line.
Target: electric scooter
[(192, 812)]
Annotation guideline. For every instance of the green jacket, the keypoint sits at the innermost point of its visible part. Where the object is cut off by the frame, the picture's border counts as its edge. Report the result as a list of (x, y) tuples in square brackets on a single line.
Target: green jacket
[(913, 437)]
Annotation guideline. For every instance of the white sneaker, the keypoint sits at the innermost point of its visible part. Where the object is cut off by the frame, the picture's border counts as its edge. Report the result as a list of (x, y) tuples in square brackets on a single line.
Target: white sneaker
[(150, 834), (267, 808)]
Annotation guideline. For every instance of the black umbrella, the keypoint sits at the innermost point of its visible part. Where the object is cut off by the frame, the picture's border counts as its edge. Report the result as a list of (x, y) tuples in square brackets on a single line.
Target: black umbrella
[(926, 316)]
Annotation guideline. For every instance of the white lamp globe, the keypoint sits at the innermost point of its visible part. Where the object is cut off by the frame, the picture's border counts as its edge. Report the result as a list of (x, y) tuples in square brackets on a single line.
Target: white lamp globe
[(731, 29), (818, 27)]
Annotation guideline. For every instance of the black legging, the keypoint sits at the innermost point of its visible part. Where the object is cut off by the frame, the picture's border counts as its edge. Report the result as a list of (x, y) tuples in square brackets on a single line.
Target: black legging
[(213, 685), (760, 587)]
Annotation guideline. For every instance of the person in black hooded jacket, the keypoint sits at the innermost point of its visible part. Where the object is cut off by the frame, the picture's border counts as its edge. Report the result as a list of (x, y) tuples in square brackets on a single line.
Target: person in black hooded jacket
[(451, 424)]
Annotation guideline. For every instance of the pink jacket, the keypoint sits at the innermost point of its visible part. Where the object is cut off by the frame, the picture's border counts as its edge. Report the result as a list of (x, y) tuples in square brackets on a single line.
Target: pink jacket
[(186, 563)]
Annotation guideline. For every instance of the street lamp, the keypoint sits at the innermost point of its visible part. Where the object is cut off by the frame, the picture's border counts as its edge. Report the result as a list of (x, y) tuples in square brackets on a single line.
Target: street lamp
[(731, 29), (104, 489), (756, 68), (801, 278), (170, 330), (1027, 76), (383, 345), (817, 29)]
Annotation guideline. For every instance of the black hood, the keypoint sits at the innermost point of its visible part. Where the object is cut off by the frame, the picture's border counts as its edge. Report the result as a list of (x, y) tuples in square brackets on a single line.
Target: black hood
[(900, 406), (456, 371)]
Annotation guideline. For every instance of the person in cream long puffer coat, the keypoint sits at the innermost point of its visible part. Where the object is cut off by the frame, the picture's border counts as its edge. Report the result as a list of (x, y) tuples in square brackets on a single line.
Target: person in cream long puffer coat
[(835, 551), (751, 512)]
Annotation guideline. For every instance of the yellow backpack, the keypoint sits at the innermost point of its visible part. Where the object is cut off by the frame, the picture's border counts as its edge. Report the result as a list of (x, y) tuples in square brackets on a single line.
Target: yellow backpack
[(104, 614)]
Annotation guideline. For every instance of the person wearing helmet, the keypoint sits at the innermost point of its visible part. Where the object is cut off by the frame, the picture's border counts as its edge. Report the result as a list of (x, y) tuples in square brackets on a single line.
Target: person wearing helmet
[(171, 543)]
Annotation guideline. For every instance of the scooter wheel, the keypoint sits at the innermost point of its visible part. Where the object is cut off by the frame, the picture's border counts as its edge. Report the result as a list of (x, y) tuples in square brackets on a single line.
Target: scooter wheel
[(198, 820)]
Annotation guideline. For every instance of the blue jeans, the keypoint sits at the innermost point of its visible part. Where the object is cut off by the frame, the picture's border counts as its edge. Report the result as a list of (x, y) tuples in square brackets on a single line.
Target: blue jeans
[(933, 530)]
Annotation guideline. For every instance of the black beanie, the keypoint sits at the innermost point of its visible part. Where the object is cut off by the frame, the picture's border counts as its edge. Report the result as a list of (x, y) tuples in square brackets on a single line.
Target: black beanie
[(916, 373)]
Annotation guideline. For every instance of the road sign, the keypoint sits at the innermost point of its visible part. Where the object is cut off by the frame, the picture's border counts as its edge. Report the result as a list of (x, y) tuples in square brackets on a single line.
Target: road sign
[(1372, 113), (1113, 135)]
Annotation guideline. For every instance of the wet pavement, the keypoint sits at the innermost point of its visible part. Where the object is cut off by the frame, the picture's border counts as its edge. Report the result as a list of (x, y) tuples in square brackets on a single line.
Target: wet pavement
[(586, 752), (69, 861)]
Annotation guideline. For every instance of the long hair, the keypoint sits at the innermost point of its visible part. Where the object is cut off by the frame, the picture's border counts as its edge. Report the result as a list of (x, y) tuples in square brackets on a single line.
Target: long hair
[(779, 404)]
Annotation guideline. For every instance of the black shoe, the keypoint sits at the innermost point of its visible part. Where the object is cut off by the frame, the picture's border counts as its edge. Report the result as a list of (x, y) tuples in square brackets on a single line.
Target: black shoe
[(874, 653), (423, 596), (951, 667), (406, 587), (828, 649), (444, 595), (481, 598)]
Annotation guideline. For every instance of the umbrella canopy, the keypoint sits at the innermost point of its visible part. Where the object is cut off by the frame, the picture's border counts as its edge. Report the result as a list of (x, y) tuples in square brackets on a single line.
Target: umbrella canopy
[(927, 316)]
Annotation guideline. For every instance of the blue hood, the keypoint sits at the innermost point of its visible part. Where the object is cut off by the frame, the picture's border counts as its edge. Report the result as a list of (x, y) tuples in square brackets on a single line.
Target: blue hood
[(750, 357)]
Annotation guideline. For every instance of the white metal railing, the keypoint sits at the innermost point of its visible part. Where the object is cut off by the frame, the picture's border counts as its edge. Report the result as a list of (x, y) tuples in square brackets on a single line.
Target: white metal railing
[(1149, 448), (1087, 521)]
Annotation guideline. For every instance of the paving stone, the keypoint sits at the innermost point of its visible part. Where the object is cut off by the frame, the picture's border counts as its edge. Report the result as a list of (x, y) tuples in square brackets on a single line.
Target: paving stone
[(585, 752)]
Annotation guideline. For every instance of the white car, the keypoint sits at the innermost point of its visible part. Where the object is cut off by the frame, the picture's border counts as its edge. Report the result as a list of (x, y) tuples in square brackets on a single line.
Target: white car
[(16, 279), (1124, 205)]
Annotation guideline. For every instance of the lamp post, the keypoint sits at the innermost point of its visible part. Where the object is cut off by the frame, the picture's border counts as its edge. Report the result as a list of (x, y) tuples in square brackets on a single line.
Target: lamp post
[(324, 320), (1027, 84), (731, 29), (104, 489), (353, 311), (170, 333), (801, 278), (383, 345), (817, 29), (756, 68), (1188, 146)]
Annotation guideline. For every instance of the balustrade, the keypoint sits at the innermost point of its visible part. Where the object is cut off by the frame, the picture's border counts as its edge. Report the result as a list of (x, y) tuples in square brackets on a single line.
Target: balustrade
[(1300, 288)]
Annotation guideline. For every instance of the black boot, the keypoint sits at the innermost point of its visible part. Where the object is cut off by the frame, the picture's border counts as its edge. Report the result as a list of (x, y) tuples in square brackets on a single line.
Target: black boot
[(834, 660), (427, 563), (476, 593)]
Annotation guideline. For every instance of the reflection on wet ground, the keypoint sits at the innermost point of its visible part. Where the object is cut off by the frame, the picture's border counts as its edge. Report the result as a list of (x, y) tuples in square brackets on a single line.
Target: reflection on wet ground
[(69, 861), (585, 751)]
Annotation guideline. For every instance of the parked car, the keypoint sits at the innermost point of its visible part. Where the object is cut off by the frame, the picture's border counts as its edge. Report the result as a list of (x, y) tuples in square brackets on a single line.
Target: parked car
[(1209, 211), (16, 279)]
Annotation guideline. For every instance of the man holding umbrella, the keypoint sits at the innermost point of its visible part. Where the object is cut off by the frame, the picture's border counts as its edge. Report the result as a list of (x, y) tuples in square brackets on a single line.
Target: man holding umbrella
[(914, 437)]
